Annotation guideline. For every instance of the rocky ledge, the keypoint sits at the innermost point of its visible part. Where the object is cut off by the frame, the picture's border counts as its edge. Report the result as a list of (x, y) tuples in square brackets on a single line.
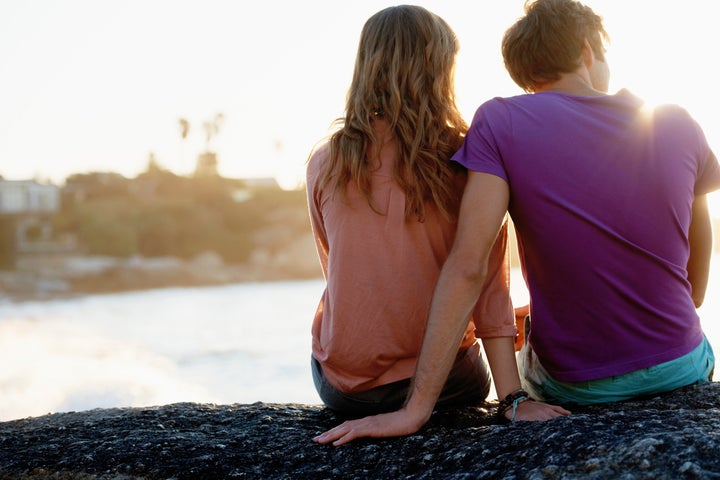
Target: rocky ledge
[(667, 437)]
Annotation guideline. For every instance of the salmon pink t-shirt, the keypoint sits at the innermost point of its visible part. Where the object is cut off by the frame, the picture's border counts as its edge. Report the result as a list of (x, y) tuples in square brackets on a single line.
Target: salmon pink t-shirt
[(381, 271)]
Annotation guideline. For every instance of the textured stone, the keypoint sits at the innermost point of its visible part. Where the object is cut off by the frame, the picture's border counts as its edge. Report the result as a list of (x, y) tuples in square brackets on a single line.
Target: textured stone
[(674, 436)]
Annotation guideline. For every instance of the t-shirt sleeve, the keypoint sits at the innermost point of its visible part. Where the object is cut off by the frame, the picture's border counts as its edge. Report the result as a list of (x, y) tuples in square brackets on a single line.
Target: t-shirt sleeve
[(494, 315), (708, 179), (708, 171), (315, 167), (479, 152)]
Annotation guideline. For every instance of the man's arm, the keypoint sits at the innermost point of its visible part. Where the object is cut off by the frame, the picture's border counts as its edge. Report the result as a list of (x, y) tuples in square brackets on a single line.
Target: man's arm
[(500, 352), (700, 237), (482, 212)]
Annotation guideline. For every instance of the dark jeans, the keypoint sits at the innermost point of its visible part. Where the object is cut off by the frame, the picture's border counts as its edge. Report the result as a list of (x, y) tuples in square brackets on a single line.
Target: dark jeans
[(468, 384)]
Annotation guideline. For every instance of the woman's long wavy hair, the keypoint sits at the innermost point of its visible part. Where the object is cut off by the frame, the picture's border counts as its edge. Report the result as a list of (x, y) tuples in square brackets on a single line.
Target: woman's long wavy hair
[(404, 72)]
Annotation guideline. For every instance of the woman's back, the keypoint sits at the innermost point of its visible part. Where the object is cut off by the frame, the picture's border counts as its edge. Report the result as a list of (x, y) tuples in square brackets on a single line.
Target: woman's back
[(380, 272)]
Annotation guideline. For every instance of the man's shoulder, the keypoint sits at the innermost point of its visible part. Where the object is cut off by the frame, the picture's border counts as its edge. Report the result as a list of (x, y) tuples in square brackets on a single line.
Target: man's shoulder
[(495, 108), (505, 102)]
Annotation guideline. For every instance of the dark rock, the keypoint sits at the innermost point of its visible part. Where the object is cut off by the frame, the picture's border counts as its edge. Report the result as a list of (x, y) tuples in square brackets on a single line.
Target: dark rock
[(674, 436)]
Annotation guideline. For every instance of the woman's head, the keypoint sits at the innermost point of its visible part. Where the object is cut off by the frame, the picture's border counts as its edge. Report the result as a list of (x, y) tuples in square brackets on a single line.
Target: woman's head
[(404, 74), (405, 54), (548, 41)]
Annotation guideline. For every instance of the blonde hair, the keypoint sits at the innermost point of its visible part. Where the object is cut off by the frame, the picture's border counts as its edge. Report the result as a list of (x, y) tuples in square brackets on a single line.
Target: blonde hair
[(404, 72)]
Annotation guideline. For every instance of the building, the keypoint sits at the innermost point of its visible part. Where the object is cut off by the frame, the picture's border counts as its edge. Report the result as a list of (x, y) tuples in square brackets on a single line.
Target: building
[(25, 207), (27, 197)]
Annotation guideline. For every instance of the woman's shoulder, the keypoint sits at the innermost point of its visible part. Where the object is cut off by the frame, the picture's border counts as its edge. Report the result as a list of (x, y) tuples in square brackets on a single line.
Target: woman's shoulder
[(320, 151), (317, 162), (319, 155)]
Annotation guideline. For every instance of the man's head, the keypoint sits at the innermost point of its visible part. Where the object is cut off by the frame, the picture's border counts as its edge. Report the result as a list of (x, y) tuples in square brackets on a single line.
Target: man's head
[(549, 40)]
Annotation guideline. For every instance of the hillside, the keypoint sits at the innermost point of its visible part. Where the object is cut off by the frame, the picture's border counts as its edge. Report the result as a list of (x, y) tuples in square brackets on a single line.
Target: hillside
[(162, 230)]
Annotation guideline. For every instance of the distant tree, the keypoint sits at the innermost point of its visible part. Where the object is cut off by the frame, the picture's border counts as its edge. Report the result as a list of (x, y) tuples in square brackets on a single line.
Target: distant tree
[(207, 161), (8, 243), (212, 128), (153, 166), (206, 165), (184, 125), (184, 128), (85, 186), (96, 178), (107, 227)]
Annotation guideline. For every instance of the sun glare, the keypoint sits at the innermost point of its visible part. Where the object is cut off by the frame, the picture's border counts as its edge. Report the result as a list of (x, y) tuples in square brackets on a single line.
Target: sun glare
[(663, 58)]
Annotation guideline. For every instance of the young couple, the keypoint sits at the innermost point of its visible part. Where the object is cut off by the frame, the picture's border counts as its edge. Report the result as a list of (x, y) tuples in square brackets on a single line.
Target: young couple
[(409, 205)]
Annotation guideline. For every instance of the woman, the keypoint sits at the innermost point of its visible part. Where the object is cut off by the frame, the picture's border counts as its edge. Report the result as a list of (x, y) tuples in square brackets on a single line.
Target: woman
[(383, 199)]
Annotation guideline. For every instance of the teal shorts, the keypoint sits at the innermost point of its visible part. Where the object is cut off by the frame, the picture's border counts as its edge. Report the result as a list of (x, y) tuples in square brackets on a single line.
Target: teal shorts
[(695, 367)]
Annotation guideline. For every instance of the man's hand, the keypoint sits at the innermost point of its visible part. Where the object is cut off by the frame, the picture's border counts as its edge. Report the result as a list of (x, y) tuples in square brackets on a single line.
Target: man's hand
[(393, 424), (531, 410)]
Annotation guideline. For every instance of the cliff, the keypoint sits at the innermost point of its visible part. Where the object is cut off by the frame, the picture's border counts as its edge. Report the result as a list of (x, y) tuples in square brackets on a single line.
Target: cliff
[(667, 437)]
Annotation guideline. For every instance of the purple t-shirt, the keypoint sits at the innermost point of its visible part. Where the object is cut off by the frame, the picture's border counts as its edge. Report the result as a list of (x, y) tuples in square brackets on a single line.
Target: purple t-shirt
[(601, 194)]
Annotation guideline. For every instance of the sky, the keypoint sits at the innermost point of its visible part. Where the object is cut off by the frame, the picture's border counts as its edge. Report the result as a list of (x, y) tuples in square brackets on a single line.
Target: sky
[(99, 85)]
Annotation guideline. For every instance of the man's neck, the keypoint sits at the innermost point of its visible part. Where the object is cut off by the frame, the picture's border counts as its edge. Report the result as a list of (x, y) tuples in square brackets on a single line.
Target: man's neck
[(574, 83)]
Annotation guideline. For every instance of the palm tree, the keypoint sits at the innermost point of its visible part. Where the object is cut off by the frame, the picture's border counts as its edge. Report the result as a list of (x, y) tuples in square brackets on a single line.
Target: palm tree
[(184, 128), (184, 131), (207, 160), (212, 127)]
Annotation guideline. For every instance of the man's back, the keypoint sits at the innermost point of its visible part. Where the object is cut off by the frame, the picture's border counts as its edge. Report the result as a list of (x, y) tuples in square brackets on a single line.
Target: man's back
[(601, 194)]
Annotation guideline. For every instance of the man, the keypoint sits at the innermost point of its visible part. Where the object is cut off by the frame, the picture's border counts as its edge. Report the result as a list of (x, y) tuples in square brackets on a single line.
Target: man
[(608, 200)]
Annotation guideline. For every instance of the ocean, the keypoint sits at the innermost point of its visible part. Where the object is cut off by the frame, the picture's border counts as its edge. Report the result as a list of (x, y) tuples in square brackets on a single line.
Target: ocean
[(240, 343)]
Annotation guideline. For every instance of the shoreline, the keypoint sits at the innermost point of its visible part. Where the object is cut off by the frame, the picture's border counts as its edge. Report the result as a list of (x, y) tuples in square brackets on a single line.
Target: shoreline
[(70, 277)]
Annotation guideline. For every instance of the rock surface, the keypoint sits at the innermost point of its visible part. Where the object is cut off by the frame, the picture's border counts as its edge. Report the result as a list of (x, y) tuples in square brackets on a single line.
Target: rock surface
[(673, 436)]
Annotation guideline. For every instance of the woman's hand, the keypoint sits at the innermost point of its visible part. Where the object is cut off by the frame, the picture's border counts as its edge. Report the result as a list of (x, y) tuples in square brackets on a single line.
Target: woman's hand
[(393, 424)]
